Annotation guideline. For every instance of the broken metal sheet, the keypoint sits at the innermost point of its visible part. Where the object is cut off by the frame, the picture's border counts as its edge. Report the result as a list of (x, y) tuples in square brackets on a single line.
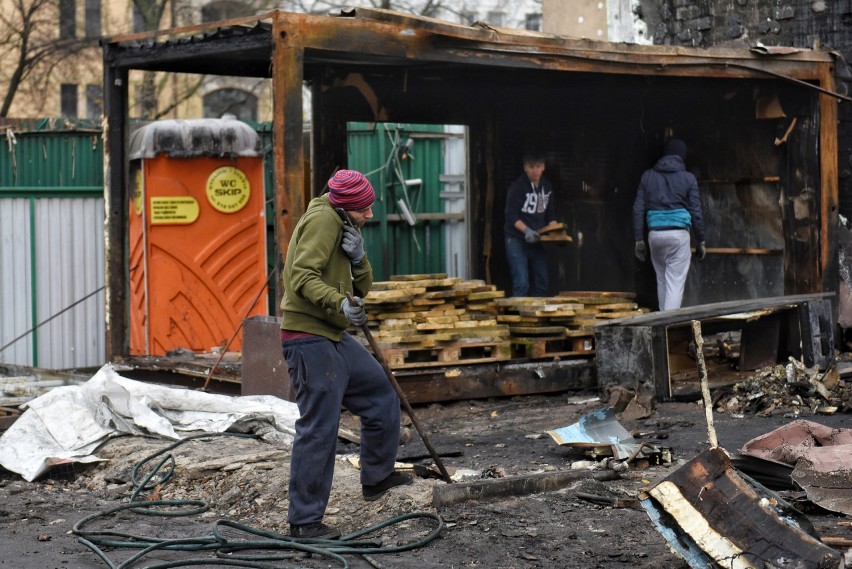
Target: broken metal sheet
[(712, 516), (820, 457), (772, 474), (774, 49), (598, 429)]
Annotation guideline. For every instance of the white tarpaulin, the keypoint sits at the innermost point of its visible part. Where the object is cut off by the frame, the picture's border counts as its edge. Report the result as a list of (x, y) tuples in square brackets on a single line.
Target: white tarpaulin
[(68, 423)]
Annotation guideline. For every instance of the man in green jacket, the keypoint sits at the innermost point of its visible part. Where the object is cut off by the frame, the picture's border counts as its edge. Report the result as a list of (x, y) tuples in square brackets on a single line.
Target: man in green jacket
[(328, 368)]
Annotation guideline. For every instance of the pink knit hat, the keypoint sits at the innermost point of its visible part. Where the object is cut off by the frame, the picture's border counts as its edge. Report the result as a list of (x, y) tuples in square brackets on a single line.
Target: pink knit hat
[(350, 190)]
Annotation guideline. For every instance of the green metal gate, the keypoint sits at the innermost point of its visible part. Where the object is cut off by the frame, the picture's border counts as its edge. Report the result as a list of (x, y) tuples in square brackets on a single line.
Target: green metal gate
[(405, 164)]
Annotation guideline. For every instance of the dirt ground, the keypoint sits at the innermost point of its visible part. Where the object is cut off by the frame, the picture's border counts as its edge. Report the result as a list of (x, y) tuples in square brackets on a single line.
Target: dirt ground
[(245, 481)]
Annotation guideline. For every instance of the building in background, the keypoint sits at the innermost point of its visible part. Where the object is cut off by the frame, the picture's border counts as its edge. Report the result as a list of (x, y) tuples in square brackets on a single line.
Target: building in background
[(600, 20), (60, 73)]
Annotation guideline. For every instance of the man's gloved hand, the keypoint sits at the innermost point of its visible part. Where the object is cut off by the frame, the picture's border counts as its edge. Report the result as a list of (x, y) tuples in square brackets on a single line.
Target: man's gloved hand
[(640, 251), (701, 251), (531, 235), (353, 244), (354, 311)]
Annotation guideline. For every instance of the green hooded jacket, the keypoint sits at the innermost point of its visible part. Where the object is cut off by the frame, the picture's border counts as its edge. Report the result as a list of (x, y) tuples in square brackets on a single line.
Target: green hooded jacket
[(318, 274)]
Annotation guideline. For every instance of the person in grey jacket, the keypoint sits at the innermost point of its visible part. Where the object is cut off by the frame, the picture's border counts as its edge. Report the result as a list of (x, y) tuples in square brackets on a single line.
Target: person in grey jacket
[(667, 202)]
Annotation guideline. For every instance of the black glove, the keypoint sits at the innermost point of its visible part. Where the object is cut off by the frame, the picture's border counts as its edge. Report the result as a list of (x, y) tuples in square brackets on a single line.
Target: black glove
[(354, 311), (640, 251), (353, 244), (701, 251), (531, 235)]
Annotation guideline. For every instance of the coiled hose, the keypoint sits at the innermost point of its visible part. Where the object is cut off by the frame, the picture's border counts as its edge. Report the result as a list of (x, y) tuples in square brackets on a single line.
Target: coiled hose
[(244, 546)]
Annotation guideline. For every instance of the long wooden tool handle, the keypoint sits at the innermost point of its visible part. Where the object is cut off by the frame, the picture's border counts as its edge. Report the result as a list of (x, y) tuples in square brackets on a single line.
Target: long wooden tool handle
[(381, 359)]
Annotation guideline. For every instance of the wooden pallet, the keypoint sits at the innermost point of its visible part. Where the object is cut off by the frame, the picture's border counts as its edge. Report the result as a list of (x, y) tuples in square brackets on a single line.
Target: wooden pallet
[(453, 354), (534, 348)]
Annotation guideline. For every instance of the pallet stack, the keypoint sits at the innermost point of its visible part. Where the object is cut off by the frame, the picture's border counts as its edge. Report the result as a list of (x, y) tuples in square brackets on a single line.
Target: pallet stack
[(547, 327), (432, 320), (602, 305)]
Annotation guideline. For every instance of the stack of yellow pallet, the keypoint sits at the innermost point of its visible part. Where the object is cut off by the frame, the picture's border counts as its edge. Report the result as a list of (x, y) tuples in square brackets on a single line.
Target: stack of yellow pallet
[(435, 320), (432, 320), (601, 305), (541, 326), (546, 327)]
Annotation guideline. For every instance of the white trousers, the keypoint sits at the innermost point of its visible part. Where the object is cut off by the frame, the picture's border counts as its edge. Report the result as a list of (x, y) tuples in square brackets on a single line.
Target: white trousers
[(670, 256)]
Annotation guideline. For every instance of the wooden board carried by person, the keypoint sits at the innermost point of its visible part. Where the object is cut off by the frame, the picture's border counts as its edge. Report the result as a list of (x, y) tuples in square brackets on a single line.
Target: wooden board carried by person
[(555, 231)]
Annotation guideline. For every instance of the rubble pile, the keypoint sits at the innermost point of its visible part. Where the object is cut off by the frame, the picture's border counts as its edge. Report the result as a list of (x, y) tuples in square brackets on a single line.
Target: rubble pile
[(790, 389), (242, 479)]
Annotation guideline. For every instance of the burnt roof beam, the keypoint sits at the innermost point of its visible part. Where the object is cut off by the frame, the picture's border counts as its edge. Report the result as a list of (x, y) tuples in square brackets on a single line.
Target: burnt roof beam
[(247, 56)]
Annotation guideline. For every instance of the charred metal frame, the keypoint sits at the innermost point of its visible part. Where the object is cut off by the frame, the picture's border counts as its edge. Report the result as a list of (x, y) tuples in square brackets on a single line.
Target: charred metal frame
[(631, 350), (376, 65)]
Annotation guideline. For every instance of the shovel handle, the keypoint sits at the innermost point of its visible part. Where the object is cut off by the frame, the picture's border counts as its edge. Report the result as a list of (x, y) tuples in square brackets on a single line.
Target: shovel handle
[(377, 352)]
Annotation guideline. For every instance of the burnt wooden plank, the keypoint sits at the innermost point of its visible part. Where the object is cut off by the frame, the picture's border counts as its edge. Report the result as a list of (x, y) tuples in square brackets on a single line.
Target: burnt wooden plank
[(513, 486), (817, 331), (288, 144), (704, 311), (723, 513), (456, 383)]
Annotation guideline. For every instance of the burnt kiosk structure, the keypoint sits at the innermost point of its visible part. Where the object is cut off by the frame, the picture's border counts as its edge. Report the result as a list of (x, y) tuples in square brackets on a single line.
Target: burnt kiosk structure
[(760, 126)]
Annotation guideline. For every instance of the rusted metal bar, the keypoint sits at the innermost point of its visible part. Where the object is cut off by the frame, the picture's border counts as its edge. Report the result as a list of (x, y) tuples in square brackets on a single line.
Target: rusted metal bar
[(288, 148), (836, 541), (828, 157), (237, 331), (116, 204), (741, 251)]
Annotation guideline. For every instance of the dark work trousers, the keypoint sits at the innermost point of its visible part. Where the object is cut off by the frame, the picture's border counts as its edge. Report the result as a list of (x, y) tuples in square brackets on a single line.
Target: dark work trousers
[(527, 260), (327, 375)]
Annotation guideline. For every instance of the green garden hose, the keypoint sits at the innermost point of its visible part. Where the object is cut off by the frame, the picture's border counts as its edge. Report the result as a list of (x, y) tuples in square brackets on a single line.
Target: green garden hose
[(230, 543)]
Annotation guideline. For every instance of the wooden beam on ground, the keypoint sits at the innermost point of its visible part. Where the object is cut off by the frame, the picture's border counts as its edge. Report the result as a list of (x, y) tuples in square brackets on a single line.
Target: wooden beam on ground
[(513, 486), (500, 379)]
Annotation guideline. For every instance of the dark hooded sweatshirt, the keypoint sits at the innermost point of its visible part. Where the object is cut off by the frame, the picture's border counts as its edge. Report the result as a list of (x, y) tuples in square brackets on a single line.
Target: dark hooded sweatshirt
[(667, 197)]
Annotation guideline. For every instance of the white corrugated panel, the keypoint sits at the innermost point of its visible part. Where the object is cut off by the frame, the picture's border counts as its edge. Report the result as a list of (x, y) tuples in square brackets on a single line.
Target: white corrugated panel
[(15, 281), (454, 192), (70, 267)]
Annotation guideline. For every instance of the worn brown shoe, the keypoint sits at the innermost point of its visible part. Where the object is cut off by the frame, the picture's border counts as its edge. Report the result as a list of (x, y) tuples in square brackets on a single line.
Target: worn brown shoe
[(376, 491), (316, 530)]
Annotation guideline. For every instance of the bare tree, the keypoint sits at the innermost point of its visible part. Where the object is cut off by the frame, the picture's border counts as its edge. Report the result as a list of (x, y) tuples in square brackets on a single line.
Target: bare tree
[(430, 8), (463, 11), (29, 47), (151, 15), (148, 16)]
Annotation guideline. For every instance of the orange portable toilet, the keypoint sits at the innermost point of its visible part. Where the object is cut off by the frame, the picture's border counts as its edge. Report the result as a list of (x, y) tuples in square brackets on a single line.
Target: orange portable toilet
[(197, 234)]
